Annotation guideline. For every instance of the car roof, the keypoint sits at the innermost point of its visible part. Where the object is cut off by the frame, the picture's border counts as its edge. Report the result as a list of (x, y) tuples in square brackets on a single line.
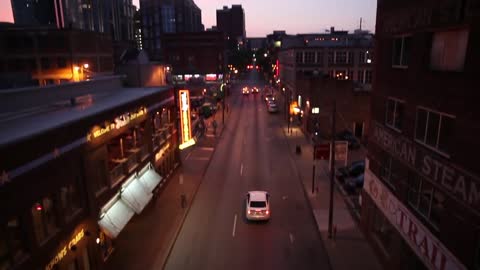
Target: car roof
[(258, 195)]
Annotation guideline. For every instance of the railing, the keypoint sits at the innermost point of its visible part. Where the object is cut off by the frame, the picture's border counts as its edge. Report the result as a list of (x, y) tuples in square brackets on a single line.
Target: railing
[(143, 153), (116, 174), (131, 162)]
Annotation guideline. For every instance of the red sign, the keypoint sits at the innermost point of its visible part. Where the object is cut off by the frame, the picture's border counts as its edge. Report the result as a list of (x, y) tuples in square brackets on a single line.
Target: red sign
[(322, 151)]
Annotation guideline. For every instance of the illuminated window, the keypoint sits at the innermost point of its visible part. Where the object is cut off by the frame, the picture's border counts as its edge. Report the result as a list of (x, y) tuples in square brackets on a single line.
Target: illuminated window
[(448, 50), (13, 247), (401, 50), (434, 129), (394, 114), (45, 222)]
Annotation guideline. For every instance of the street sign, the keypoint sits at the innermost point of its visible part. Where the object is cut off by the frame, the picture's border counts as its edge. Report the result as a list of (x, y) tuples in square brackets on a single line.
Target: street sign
[(322, 151)]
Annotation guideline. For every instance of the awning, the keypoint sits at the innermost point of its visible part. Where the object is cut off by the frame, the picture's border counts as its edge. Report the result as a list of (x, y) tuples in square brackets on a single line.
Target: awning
[(116, 217), (149, 178), (135, 195)]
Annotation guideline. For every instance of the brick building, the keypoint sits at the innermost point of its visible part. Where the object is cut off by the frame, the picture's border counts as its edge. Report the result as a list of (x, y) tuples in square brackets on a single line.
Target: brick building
[(44, 55), (77, 167), (421, 198), (231, 21)]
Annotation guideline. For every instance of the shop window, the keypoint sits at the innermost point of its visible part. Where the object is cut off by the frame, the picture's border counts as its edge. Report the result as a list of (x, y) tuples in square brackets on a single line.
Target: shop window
[(448, 50), (45, 222), (12, 243), (69, 200), (383, 230), (401, 50), (434, 129), (425, 199), (394, 114)]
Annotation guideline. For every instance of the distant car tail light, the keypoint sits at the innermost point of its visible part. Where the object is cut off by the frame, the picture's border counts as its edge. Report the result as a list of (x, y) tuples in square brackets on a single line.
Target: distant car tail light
[(249, 212), (267, 212)]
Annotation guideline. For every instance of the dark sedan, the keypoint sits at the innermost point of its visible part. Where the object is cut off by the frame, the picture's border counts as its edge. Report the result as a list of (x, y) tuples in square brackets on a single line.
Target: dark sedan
[(353, 170)]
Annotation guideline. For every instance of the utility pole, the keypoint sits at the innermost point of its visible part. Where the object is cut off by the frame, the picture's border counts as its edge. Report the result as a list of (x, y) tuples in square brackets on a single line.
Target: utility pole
[(332, 171)]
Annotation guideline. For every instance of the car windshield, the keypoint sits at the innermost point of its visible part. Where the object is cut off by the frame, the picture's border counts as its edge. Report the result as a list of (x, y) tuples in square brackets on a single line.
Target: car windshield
[(257, 204)]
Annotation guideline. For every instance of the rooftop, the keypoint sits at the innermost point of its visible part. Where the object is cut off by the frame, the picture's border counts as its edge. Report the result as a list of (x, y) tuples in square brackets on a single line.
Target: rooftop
[(30, 111)]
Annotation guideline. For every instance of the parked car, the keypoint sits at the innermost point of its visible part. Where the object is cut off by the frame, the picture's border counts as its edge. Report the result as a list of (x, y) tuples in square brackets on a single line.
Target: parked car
[(269, 97), (346, 135), (353, 170), (272, 107), (257, 205), (353, 183), (254, 90)]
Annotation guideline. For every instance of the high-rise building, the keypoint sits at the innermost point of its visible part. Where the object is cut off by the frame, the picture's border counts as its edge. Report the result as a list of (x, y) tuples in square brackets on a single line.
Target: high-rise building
[(231, 21), (421, 192), (167, 16)]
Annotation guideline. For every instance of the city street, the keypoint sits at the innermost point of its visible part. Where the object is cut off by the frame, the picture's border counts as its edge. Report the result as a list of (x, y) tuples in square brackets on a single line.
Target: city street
[(252, 154)]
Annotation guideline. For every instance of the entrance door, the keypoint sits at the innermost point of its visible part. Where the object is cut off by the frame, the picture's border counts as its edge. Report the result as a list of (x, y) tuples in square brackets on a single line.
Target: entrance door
[(358, 129)]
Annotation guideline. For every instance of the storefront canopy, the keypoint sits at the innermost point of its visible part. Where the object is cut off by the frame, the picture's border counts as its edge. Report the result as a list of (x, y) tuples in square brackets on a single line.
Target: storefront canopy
[(135, 195), (116, 217), (149, 178)]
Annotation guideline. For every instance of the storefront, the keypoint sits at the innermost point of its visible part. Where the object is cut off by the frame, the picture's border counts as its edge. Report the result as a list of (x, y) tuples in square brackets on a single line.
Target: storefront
[(403, 240), (76, 251)]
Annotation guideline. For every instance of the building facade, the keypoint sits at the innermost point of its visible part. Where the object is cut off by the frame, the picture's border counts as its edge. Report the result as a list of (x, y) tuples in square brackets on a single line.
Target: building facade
[(43, 55), (255, 44), (421, 197), (231, 21), (167, 16), (73, 177)]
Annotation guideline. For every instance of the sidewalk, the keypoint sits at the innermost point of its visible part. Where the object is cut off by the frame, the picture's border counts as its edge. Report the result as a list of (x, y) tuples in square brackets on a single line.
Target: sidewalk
[(349, 249), (146, 241)]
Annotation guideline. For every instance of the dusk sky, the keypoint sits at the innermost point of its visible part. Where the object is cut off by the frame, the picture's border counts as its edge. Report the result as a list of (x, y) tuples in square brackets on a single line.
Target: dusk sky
[(264, 16)]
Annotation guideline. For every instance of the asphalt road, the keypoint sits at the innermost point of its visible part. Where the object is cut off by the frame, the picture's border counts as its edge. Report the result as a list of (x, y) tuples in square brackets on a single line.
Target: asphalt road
[(251, 155)]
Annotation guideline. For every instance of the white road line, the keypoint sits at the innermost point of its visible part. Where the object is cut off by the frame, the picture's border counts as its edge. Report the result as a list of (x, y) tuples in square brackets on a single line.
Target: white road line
[(188, 155), (241, 169), (291, 238), (234, 225), (206, 148)]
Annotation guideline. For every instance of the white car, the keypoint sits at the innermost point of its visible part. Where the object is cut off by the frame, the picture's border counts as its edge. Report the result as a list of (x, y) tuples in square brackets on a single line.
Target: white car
[(257, 205)]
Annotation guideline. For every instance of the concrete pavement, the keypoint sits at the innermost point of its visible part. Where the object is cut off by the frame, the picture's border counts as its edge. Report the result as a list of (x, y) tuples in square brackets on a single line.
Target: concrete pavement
[(349, 249)]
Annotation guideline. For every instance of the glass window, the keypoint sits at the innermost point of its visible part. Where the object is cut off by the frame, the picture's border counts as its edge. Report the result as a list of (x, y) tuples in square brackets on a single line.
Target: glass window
[(350, 57), (386, 171), (257, 204), (425, 199), (368, 77), (413, 189), (69, 200), (45, 63), (299, 57), (12, 243), (331, 57), (319, 57), (394, 114), (44, 219), (401, 50), (448, 50), (382, 229), (309, 57), (62, 62), (434, 129), (340, 57)]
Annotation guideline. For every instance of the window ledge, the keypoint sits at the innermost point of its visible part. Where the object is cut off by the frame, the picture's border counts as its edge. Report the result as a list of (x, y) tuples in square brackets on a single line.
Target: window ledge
[(393, 128), (101, 191), (436, 150), (399, 67)]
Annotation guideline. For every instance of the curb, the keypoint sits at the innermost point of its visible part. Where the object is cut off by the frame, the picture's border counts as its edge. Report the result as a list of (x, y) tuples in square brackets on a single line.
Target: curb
[(305, 193), (184, 217)]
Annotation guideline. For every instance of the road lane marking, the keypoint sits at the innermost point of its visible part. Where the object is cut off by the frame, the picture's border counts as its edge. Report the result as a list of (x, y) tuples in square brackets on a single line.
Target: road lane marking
[(234, 225), (186, 158), (291, 238), (241, 169)]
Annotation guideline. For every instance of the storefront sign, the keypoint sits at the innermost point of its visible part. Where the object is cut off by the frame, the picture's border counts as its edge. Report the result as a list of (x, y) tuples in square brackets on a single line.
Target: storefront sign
[(63, 252), (184, 104), (463, 185), (102, 130), (322, 151), (118, 122), (429, 249)]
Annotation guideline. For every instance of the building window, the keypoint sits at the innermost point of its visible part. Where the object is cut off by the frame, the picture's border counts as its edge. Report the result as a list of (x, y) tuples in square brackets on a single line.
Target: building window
[(425, 199), (401, 50), (100, 180), (69, 200), (319, 58), (386, 172), (448, 50), (331, 58), (61, 62), (350, 57), (12, 243), (44, 63), (44, 219), (299, 57), (434, 129), (340, 57), (309, 57), (364, 76), (394, 115)]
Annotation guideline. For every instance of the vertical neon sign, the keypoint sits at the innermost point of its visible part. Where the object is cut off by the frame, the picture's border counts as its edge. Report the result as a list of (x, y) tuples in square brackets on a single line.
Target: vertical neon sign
[(185, 125)]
